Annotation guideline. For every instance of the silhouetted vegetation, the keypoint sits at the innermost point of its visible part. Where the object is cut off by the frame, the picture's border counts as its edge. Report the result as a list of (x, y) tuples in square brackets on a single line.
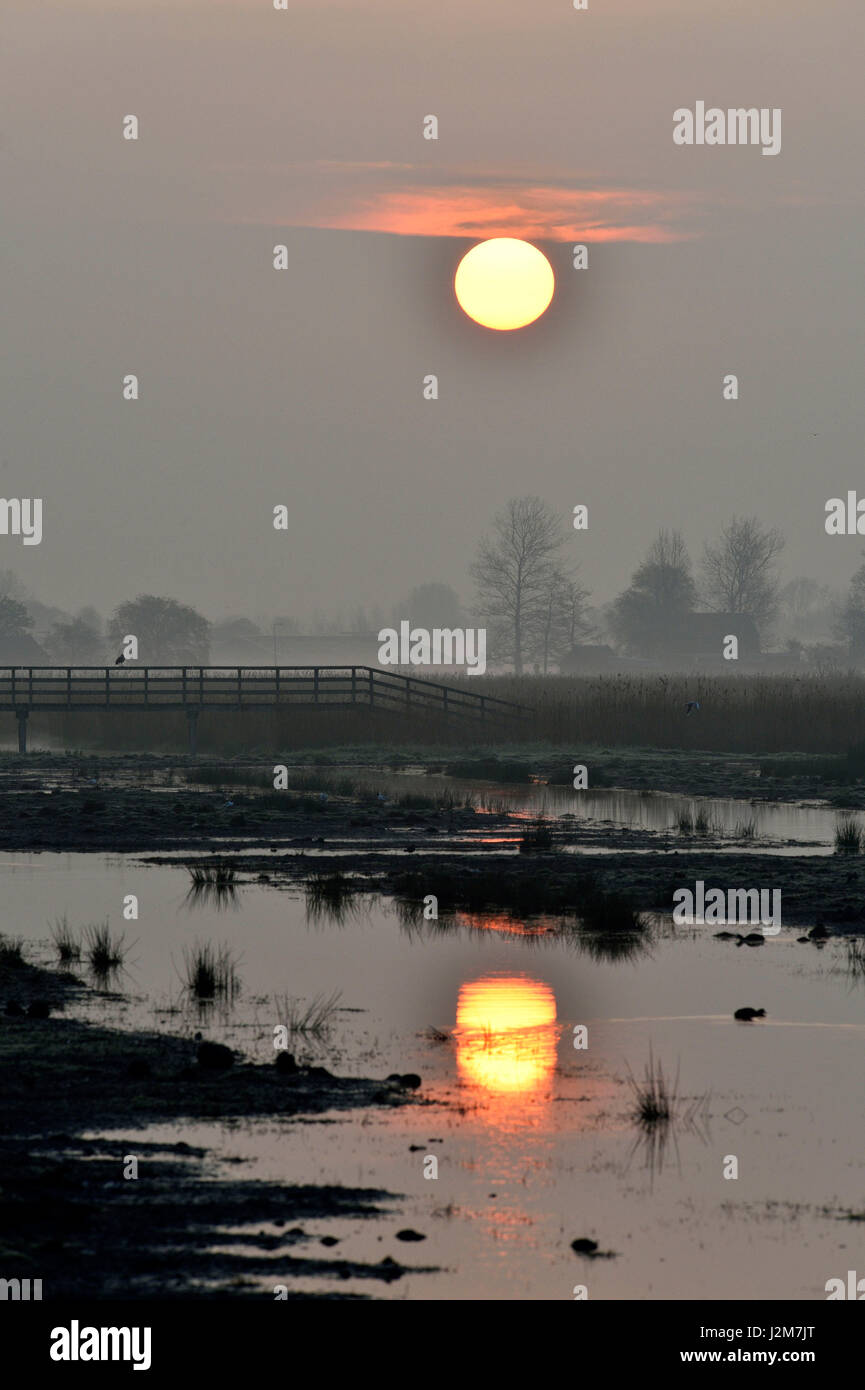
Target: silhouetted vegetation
[(210, 972), (761, 714), (66, 943), (311, 1019), (848, 835), (105, 952), (11, 951), (538, 836)]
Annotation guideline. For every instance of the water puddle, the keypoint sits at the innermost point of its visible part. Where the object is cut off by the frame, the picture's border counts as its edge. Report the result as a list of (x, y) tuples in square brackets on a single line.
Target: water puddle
[(533, 1138)]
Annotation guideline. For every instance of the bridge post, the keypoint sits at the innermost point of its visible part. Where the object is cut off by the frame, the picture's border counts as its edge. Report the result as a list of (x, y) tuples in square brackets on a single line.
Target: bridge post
[(192, 718), (21, 714)]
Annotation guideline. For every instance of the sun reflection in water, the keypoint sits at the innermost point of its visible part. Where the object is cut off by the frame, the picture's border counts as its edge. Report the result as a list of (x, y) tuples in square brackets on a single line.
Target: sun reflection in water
[(506, 1033)]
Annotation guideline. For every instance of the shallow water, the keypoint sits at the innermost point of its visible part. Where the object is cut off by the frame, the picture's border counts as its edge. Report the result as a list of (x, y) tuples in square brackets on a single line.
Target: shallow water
[(537, 1143), (643, 810)]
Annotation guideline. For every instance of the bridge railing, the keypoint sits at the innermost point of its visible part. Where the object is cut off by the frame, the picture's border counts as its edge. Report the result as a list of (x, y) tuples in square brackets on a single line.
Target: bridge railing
[(44, 688)]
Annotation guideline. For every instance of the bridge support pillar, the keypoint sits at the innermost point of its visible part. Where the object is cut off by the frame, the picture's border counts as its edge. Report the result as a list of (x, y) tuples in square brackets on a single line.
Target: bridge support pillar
[(192, 718), (22, 714)]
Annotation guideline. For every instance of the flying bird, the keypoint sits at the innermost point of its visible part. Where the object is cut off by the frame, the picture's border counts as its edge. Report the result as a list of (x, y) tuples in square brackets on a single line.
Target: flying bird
[(120, 660), (748, 1015), (692, 705)]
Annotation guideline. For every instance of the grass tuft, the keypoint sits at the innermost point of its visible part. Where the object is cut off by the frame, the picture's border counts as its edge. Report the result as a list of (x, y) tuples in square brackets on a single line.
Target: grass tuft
[(66, 943), (210, 972), (311, 1019), (848, 835), (654, 1097), (105, 953)]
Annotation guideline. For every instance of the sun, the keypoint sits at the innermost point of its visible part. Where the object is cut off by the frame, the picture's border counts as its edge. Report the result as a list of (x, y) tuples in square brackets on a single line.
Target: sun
[(504, 283)]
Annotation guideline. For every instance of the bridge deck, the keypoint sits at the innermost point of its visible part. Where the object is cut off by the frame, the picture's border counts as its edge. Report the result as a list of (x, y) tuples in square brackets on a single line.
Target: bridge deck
[(45, 688)]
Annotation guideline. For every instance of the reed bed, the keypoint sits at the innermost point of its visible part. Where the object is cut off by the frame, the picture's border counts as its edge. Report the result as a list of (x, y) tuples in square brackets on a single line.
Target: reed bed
[(761, 714), (749, 714)]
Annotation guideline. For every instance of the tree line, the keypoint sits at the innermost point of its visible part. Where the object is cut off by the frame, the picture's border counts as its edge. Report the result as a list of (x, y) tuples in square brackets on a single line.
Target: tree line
[(528, 594)]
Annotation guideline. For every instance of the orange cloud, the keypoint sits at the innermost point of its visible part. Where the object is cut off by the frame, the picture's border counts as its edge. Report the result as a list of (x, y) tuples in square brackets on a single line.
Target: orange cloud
[(410, 200), (541, 213)]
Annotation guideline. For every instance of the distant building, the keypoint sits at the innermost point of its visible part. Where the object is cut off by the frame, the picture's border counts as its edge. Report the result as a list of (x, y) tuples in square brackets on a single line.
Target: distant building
[(589, 659), (699, 639), (328, 649)]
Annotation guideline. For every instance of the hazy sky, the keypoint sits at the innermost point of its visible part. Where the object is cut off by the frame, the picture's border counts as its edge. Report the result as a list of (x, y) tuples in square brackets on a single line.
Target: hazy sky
[(304, 386)]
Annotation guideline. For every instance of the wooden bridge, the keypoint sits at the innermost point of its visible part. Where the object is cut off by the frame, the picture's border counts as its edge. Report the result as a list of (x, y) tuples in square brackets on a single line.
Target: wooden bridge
[(61, 689)]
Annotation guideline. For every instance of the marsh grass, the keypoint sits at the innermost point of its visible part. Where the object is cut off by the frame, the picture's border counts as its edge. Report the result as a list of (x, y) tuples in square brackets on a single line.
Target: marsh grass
[(214, 884), (695, 821), (11, 952), (610, 912), (313, 1018), (654, 1096), (210, 972), (66, 943), (854, 959), (212, 875), (763, 714), (848, 835), (613, 946), (537, 837), (334, 896), (308, 789), (661, 1115), (105, 953), (522, 895)]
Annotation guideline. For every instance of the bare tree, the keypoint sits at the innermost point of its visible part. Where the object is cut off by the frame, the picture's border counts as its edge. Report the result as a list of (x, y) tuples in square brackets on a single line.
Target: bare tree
[(660, 592), (850, 622), (809, 609), (739, 574), (562, 619), (514, 573)]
